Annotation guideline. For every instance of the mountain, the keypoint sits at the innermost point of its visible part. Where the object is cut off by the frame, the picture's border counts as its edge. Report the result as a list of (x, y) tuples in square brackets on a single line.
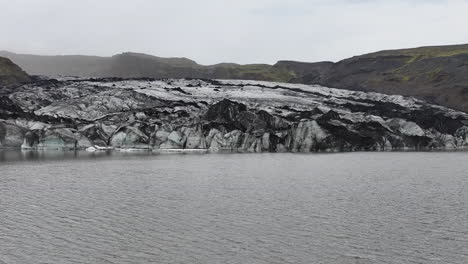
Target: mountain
[(220, 115), (436, 74), (304, 72), (11, 74), (137, 65)]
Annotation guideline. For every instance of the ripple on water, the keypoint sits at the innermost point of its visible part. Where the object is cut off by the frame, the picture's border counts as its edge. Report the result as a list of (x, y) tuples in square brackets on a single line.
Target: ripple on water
[(269, 208)]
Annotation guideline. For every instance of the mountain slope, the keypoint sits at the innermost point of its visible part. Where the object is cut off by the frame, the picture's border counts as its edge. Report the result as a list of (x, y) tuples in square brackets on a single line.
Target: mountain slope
[(436, 74), (11, 74), (136, 65)]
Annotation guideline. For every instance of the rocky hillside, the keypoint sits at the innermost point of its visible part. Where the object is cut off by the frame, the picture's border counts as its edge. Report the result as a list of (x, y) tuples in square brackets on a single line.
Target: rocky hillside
[(214, 115), (436, 74), (136, 65), (11, 74)]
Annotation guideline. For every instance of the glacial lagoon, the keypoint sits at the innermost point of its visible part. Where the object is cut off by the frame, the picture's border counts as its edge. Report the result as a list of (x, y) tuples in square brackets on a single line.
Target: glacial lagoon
[(78, 207)]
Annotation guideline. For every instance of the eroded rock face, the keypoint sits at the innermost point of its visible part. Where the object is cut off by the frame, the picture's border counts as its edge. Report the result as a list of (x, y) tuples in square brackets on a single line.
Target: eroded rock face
[(228, 115)]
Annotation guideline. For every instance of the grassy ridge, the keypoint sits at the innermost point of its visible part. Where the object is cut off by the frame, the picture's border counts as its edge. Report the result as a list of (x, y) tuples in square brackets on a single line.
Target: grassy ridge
[(437, 74), (421, 53), (254, 72)]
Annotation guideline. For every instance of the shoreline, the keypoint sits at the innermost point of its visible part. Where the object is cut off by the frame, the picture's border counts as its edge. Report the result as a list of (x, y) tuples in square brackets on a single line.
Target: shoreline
[(17, 154), (221, 151)]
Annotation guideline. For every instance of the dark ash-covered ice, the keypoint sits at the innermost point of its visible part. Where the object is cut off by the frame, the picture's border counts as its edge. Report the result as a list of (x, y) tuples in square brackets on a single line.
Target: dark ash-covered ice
[(219, 115)]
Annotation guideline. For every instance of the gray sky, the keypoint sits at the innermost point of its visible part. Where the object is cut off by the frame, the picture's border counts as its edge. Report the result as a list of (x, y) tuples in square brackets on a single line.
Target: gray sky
[(242, 31)]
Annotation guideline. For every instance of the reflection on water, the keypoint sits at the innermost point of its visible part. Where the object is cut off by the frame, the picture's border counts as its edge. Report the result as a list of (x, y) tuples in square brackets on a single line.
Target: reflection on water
[(23, 155), (33, 155), (16, 155)]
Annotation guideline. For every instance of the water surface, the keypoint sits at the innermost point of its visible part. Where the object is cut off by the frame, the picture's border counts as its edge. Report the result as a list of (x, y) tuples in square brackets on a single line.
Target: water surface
[(234, 208)]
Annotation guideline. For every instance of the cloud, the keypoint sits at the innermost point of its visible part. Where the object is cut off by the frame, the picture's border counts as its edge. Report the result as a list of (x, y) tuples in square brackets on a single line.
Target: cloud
[(243, 31)]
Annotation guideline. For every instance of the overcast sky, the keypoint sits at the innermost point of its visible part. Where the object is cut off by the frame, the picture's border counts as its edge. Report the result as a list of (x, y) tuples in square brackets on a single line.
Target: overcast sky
[(242, 31)]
